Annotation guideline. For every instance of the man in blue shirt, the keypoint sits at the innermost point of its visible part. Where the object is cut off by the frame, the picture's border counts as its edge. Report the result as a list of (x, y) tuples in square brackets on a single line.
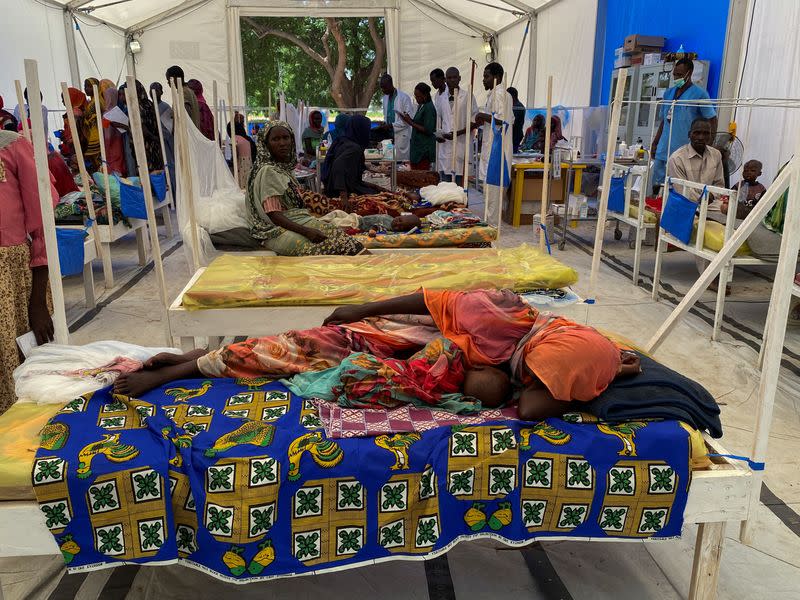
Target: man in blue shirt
[(676, 121)]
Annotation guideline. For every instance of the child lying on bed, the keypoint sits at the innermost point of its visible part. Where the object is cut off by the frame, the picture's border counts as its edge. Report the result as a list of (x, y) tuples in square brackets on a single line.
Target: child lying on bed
[(554, 359)]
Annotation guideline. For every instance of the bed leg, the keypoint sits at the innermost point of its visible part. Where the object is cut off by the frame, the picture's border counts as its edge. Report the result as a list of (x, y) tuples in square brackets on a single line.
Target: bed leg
[(140, 246), (719, 309), (707, 556), (661, 247), (93, 585), (637, 254), (167, 221), (108, 267), (88, 286)]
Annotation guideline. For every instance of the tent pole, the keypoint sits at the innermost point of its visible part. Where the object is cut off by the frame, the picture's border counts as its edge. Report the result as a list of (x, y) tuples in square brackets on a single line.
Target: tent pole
[(87, 191), (215, 112), (454, 145), (99, 115), (468, 132), (546, 171), (72, 53), (159, 127), (61, 332), (485, 185), (602, 209), (26, 129), (144, 177), (234, 153)]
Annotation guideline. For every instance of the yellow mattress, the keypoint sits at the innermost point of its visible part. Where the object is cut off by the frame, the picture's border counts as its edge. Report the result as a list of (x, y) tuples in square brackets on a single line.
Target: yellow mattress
[(233, 281), (713, 238), (19, 440)]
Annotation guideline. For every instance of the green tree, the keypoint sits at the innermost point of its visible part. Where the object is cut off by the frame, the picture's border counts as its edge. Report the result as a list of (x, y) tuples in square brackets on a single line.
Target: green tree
[(324, 61)]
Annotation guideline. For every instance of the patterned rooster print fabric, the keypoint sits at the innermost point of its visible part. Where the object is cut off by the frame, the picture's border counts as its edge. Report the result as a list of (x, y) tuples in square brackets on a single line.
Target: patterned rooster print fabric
[(237, 478)]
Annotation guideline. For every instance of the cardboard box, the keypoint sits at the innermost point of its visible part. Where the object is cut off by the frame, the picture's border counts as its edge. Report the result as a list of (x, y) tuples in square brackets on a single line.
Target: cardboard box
[(652, 58), (637, 58), (618, 52), (637, 42), (624, 61)]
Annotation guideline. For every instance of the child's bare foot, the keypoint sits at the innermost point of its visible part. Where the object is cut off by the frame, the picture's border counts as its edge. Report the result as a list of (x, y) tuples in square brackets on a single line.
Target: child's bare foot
[(168, 359), (136, 384)]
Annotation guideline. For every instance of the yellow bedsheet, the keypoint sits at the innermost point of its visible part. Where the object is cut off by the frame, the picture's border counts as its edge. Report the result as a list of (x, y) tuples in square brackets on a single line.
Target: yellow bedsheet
[(713, 236), (231, 281), (19, 439)]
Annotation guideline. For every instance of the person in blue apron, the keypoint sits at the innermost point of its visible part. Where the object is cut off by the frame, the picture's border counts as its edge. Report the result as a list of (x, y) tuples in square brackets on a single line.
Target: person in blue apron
[(677, 120)]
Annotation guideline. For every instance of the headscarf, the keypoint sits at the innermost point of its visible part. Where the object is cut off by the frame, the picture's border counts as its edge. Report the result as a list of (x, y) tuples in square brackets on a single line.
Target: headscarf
[(197, 88), (122, 101), (77, 98), (152, 145), (320, 129), (357, 129), (339, 125), (206, 117), (93, 81), (281, 179), (108, 94)]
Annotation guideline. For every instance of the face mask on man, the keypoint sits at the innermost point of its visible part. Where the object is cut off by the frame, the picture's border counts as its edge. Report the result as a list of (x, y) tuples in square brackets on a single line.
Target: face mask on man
[(679, 82)]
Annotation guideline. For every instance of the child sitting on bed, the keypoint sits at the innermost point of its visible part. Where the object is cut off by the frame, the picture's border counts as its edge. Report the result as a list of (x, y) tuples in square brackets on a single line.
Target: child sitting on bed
[(750, 174), (555, 360)]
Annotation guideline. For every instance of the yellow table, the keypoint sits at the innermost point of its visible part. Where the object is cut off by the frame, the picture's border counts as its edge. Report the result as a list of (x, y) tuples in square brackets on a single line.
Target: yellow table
[(519, 180)]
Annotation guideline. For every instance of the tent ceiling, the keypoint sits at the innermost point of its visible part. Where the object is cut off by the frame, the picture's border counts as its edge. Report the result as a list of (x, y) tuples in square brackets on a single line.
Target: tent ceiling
[(491, 14)]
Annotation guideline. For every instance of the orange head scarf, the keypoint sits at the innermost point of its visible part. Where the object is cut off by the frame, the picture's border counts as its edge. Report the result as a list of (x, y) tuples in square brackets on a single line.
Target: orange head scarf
[(77, 98), (573, 361)]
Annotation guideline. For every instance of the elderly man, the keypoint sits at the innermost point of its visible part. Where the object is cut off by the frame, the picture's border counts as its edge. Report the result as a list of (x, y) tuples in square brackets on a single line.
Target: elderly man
[(676, 121), (395, 103), (699, 162)]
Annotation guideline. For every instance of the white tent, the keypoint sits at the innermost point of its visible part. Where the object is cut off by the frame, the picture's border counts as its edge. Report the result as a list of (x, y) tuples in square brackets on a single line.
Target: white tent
[(80, 38)]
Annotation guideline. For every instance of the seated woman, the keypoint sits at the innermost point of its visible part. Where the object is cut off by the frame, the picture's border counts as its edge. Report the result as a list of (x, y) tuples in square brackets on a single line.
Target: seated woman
[(534, 136), (554, 359), (277, 216)]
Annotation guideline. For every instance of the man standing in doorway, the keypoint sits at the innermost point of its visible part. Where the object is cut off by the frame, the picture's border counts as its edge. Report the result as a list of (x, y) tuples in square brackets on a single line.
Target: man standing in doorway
[(498, 105), (439, 102), (394, 103), (676, 121)]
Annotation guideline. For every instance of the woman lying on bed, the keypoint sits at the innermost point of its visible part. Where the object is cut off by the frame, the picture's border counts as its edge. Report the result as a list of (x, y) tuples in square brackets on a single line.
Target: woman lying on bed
[(555, 360), (278, 218)]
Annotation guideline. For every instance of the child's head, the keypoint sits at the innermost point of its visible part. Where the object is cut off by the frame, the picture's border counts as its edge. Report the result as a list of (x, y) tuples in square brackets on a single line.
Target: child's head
[(751, 170), (405, 222), (488, 384)]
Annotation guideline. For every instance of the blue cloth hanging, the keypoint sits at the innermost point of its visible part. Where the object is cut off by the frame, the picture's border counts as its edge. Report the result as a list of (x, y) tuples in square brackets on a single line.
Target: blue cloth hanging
[(493, 168), (677, 216)]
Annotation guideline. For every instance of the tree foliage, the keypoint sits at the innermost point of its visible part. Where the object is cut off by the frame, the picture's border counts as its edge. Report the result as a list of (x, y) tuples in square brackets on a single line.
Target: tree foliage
[(323, 61)]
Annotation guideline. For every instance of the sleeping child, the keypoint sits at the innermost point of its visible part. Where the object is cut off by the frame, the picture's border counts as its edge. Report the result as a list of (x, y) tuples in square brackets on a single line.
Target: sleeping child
[(552, 359)]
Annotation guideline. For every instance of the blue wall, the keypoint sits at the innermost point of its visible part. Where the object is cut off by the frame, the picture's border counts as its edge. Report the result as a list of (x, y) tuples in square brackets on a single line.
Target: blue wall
[(699, 25)]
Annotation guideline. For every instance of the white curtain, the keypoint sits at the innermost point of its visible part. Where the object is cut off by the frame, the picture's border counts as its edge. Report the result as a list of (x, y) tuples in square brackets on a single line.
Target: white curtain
[(770, 70)]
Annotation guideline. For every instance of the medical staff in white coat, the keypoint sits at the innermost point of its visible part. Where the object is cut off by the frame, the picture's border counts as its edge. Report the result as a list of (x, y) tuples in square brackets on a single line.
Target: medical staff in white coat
[(439, 95), (467, 111), (394, 103), (498, 103)]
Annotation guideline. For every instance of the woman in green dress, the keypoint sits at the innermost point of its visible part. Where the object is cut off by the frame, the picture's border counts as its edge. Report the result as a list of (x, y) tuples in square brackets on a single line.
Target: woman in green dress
[(278, 218), (423, 129)]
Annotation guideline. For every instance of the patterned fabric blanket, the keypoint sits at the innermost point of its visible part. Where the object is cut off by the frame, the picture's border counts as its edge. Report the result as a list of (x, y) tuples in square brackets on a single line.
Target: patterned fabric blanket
[(433, 238), (238, 479)]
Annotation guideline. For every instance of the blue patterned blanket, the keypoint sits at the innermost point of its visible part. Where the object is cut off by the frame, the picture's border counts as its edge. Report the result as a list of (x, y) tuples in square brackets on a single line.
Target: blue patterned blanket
[(237, 478)]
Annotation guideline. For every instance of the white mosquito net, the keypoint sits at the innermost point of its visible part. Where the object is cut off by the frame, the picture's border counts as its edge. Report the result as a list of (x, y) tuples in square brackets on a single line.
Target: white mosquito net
[(219, 204)]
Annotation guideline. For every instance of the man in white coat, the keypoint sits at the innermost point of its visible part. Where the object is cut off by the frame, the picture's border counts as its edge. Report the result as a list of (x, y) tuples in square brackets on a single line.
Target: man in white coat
[(467, 110), (439, 96), (498, 103), (396, 102)]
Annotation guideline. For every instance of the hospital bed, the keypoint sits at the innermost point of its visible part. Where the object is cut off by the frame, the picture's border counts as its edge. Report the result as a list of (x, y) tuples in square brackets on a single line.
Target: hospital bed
[(240, 295), (719, 492), (708, 238), (633, 214)]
